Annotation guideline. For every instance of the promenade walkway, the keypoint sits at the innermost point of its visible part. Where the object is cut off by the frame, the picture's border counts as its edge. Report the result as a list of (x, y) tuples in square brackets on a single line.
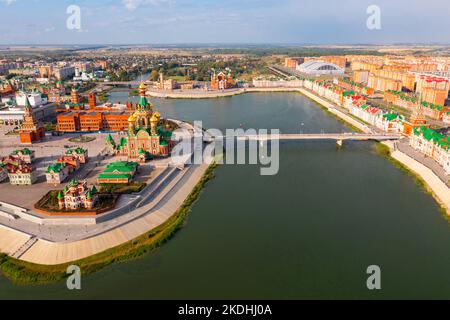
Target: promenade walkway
[(153, 215)]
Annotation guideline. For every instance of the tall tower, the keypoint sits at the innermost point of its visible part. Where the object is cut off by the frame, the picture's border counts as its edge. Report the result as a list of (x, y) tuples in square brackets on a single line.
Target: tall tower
[(92, 100), (417, 116), (74, 97), (161, 80), (30, 131)]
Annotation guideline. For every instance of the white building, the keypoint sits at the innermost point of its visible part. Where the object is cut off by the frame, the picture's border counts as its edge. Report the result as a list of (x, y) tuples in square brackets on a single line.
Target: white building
[(57, 173), (36, 99), (433, 145), (319, 68)]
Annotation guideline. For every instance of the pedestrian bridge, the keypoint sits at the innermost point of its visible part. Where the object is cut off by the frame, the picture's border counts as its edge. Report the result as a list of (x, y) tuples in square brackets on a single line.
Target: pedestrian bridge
[(318, 136)]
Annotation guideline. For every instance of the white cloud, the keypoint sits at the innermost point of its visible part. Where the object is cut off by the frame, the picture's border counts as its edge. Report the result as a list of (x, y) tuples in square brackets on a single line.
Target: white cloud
[(132, 5), (7, 2)]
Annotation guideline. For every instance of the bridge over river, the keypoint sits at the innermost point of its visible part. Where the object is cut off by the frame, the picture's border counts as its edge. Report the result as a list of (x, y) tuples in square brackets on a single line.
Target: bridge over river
[(338, 137)]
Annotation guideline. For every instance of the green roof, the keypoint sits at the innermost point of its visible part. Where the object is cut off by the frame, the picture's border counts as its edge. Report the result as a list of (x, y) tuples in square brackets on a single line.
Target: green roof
[(25, 151), (143, 102), (60, 195), (77, 151), (164, 143), (114, 176), (390, 116), (123, 142), (110, 139), (121, 167), (56, 167), (122, 163)]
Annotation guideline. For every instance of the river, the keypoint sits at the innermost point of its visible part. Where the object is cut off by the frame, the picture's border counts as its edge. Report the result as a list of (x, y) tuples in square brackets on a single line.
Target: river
[(309, 232)]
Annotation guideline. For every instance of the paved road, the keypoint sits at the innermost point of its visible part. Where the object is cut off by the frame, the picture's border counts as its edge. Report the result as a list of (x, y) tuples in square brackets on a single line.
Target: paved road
[(431, 164)]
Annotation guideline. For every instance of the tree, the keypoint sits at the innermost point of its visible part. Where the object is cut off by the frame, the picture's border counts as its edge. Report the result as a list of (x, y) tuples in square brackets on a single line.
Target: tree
[(154, 76)]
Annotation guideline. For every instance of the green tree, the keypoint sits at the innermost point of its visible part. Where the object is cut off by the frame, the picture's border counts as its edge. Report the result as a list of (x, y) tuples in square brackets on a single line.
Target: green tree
[(154, 76)]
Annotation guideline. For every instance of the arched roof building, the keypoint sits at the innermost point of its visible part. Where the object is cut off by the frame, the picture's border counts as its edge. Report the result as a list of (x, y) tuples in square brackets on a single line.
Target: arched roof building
[(317, 67)]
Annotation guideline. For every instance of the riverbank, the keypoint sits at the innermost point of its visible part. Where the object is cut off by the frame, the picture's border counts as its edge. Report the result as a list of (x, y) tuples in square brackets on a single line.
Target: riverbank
[(425, 177), (23, 273), (201, 94)]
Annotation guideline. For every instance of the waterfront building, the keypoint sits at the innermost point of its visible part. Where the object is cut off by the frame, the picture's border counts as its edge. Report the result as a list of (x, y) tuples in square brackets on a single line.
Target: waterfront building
[(77, 195), (146, 137), (433, 145), (118, 172), (222, 81), (417, 120), (390, 122), (446, 117), (359, 88), (80, 153), (30, 131), (57, 173), (277, 83), (21, 173)]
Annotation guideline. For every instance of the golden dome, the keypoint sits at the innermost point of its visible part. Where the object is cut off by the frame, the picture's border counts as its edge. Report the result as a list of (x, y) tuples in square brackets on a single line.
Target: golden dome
[(142, 86), (157, 114), (132, 118), (154, 118)]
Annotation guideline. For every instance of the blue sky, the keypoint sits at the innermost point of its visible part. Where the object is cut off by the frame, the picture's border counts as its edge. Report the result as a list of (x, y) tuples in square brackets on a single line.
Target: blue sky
[(223, 21)]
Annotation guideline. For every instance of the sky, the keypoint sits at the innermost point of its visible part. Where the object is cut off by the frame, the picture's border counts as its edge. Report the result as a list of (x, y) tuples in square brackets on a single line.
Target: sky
[(42, 22)]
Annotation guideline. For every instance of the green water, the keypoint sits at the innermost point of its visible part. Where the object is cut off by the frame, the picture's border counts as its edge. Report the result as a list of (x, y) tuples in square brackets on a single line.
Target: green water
[(309, 232)]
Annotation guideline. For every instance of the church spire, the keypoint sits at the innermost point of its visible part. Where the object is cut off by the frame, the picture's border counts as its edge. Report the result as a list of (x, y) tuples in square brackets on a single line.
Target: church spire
[(28, 109)]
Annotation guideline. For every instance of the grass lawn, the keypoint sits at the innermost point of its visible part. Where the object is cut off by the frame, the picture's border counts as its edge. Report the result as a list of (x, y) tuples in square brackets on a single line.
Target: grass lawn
[(125, 188)]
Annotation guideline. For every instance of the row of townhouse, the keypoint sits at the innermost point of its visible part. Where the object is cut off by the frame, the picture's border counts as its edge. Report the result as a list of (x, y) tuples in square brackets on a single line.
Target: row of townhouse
[(59, 171), (408, 102), (423, 139), (433, 145), (357, 105)]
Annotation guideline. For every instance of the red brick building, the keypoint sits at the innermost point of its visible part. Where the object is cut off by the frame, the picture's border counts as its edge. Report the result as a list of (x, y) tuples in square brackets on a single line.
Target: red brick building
[(76, 121), (222, 82)]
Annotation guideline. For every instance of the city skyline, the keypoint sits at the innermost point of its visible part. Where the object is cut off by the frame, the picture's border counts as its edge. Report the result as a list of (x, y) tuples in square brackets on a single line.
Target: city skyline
[(195, 22)]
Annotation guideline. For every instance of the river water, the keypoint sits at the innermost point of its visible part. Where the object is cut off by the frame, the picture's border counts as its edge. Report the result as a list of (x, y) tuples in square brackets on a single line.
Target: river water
[(309, 232)]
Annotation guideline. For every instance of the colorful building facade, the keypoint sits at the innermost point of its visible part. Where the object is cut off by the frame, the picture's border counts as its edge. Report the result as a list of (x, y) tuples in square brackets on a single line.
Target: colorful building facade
[(57, 173), (146, 137), (118, 172), (30, 131), (77, 195), (433, 145)]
